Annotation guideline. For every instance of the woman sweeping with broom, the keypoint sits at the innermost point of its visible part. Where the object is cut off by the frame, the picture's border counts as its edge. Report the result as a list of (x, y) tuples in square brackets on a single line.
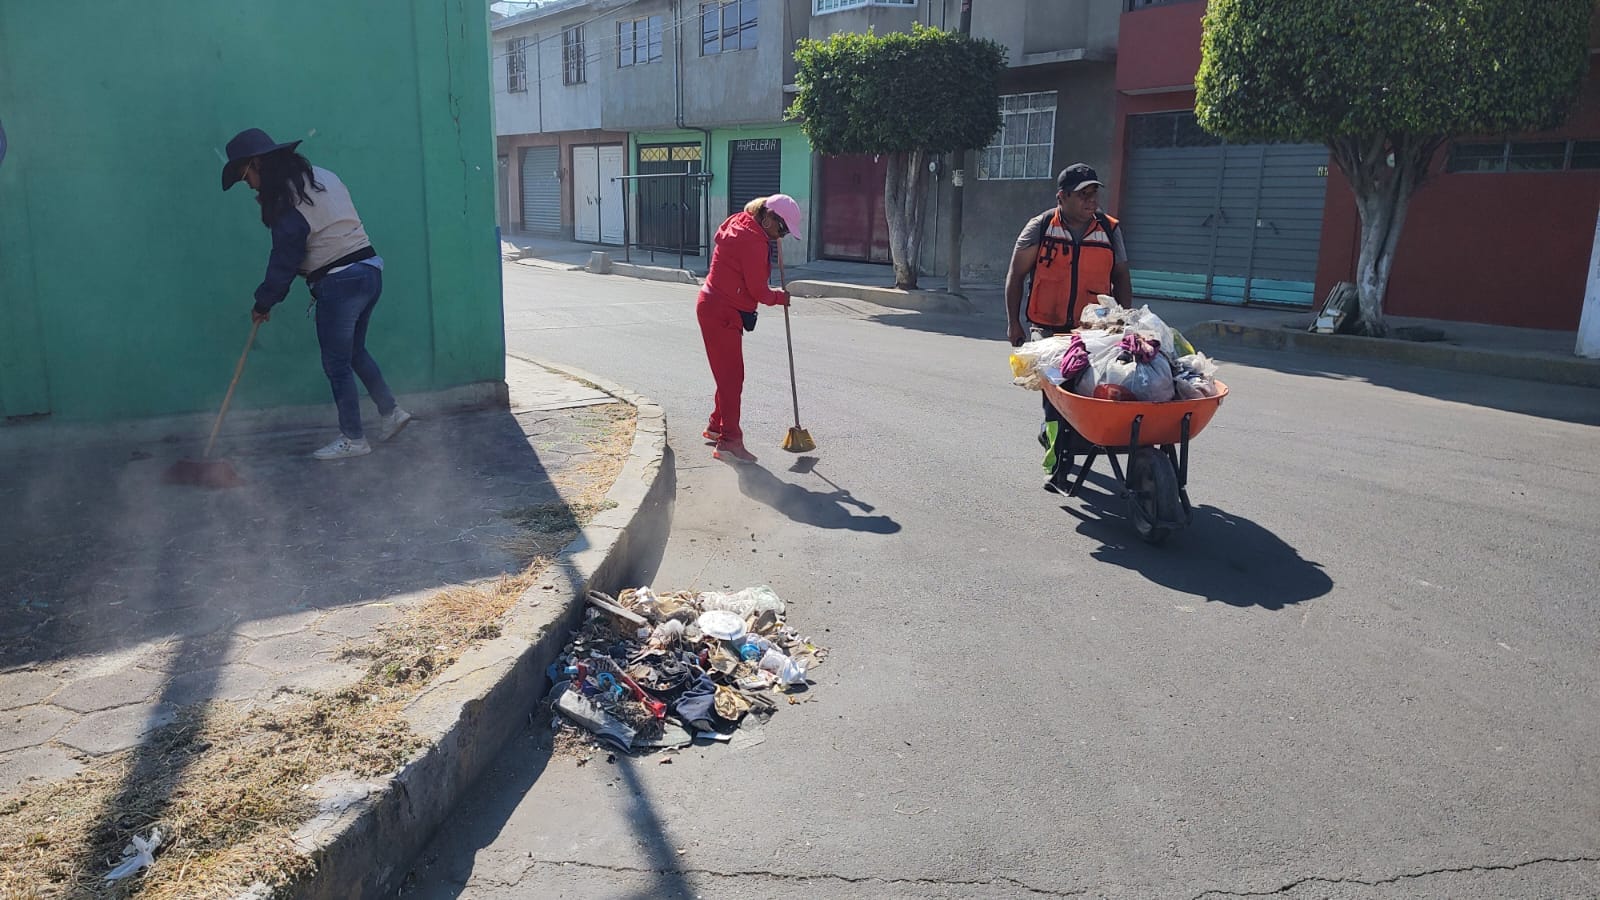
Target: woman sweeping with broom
[(317, 234), (735, 284)]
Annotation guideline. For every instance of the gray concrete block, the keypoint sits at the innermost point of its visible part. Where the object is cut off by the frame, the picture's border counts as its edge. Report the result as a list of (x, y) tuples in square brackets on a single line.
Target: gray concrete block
[(235, 683), (23, 770), (31, 726), (25, 689), (116, 729), (131, 685), (324, 678), (354, 622), (259, 629), (295, 652)]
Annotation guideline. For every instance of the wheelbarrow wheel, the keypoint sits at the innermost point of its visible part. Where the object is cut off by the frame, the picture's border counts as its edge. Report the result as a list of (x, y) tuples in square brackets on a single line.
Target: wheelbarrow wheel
[(1153, 500)]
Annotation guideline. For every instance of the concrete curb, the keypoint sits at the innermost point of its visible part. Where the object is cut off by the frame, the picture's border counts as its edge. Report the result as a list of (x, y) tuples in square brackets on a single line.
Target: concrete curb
[(534, 262), (371, 831), (921, 301), (601, 263), (1525, 366)]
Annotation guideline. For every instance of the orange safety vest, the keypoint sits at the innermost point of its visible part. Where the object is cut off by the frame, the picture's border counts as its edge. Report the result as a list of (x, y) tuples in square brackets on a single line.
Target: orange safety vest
[(1069, 273)]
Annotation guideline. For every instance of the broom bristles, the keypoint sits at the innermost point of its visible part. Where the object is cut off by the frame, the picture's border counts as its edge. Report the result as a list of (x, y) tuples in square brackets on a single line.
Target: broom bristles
[(798, 440)]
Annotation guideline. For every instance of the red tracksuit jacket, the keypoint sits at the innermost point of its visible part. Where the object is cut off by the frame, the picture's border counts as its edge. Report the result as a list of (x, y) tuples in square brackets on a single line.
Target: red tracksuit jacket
[(739, 266)]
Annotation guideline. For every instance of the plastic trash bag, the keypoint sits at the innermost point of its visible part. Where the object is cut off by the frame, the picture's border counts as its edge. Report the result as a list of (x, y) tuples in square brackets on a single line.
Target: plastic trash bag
[(1193, 377), (1180, 344), (1148, 381), (1097, 344), (1143, 321), (745, 603), (1035, 360), (1106, 312), (140, 854), (787, 670)]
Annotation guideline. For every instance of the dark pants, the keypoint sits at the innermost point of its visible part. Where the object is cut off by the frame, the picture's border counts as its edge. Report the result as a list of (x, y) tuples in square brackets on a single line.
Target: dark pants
[(345, 301)]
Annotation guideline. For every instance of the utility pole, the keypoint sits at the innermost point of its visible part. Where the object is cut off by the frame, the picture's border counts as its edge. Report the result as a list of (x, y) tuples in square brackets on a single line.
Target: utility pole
[(958, 176)]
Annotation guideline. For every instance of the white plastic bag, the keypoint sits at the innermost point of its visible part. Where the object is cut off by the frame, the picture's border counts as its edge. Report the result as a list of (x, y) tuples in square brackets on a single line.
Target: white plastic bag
[(1143, 321), (1102, 347), (1151, 381), (1033, 361), (140, 854), (1193, 377), (1106, 312)]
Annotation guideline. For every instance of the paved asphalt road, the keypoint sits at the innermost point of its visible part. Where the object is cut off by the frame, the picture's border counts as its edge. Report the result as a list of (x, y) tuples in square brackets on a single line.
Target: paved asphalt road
[(1369, 669)]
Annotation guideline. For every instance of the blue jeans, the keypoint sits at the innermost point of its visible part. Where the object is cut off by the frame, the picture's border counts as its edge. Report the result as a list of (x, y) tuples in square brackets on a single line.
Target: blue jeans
[(344, 307)]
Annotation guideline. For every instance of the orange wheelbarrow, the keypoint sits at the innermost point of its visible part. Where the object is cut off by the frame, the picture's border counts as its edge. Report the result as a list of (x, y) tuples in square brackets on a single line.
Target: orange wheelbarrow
[(1155, 439)]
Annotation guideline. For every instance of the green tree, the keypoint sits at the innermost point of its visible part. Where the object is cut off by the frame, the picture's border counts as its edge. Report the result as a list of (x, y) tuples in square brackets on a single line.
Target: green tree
[(910, 96), (1385, 83)]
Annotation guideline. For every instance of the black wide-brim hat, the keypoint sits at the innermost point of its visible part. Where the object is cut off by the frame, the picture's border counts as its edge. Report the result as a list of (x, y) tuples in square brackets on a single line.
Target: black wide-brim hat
[(245, 146)]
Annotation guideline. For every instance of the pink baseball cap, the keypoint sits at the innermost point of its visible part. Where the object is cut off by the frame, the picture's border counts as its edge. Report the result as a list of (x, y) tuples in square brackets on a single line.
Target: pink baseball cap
[(789, 211)]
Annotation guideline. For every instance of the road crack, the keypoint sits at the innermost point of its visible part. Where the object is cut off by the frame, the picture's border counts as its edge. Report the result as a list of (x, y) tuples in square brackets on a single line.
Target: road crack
[(1396, 879), (530, 864)]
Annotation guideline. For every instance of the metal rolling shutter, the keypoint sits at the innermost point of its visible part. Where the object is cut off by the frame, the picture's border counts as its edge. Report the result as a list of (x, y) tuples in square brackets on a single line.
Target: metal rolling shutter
[(541, 191), (1230, 223), (754, 170)]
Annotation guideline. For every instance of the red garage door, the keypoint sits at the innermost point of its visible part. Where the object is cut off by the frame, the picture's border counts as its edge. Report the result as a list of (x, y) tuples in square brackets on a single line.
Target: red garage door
[(854, 225)]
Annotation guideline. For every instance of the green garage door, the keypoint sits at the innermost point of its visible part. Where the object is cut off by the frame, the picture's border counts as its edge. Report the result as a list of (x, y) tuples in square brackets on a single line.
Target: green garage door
[(1229, 223)]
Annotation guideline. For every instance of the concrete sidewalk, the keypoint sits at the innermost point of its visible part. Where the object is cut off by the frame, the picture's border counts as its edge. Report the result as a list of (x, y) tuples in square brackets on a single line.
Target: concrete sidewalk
[(125, 602), (1526, 353)]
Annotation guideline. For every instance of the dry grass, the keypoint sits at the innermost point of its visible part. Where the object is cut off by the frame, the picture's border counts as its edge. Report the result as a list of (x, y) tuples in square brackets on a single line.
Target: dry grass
[(225, 784)]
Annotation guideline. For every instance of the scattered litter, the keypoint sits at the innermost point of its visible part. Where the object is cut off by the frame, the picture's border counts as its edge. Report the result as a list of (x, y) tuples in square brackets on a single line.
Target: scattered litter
[(140, 854), (648, 671)]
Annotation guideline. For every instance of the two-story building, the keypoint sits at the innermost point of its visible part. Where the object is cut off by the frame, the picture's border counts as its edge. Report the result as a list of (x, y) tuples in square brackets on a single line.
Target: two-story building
[(590, 91)]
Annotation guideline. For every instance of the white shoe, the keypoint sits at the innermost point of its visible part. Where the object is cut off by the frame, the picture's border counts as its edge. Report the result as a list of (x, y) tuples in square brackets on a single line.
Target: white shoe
[(392, 423), (344, 448)]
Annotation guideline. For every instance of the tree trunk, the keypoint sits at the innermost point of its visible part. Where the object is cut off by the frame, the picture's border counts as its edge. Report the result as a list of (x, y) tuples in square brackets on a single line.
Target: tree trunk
[(903, 197), (1383, 196)]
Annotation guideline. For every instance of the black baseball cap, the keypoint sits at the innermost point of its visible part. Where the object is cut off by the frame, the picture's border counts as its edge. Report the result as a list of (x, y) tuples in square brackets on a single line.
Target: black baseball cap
[(1076, 177)]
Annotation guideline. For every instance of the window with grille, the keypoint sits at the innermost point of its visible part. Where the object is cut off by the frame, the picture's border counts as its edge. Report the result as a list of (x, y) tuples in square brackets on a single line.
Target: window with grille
[(1025, 143), (818, 7), (1169, 129), (727, 25), (1523, 156), (572, 71), (517, 65), (638, 41)]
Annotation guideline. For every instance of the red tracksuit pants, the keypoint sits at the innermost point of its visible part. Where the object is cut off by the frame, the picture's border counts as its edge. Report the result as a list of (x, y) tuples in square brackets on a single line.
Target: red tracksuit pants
[(723, 332)]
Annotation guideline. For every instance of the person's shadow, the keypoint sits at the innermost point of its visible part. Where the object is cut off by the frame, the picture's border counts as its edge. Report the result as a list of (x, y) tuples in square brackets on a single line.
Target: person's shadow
[(1222, 557), (822, 509)]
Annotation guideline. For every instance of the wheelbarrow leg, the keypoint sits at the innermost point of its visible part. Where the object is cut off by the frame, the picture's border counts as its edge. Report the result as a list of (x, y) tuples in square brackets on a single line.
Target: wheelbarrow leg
[(1088, 463)]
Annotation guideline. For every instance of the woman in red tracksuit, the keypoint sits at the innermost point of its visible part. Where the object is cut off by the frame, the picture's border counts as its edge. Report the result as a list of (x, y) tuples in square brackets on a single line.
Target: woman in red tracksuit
[(735, 284)]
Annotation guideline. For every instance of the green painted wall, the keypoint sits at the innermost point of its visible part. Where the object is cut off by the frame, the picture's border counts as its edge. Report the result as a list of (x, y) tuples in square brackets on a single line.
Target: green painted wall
[(126, 274), (794, 179)]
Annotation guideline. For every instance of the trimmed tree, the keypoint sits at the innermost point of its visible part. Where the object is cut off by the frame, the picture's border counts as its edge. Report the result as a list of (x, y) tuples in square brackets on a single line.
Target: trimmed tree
[(910, 96), (1384, 85)]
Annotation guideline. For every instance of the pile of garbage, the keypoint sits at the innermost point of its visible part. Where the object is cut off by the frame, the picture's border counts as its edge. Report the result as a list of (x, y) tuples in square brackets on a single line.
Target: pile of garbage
[(1117, 353), (654, 671)]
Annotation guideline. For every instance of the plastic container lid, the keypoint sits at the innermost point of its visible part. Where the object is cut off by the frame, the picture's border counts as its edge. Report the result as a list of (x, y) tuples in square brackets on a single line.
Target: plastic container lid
[(721, 624)]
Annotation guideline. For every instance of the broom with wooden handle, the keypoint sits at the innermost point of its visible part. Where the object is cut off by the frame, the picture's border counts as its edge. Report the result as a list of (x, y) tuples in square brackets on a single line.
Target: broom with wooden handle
[(205, 471), (798, 440)]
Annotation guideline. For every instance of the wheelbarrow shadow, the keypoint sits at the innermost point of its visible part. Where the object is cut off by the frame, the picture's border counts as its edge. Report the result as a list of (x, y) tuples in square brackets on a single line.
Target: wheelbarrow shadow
[(1222, 557)]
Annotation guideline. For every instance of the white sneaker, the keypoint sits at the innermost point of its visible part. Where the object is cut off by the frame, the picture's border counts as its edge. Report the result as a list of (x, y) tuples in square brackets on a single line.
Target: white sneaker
[(344, 448), (392, 423)]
